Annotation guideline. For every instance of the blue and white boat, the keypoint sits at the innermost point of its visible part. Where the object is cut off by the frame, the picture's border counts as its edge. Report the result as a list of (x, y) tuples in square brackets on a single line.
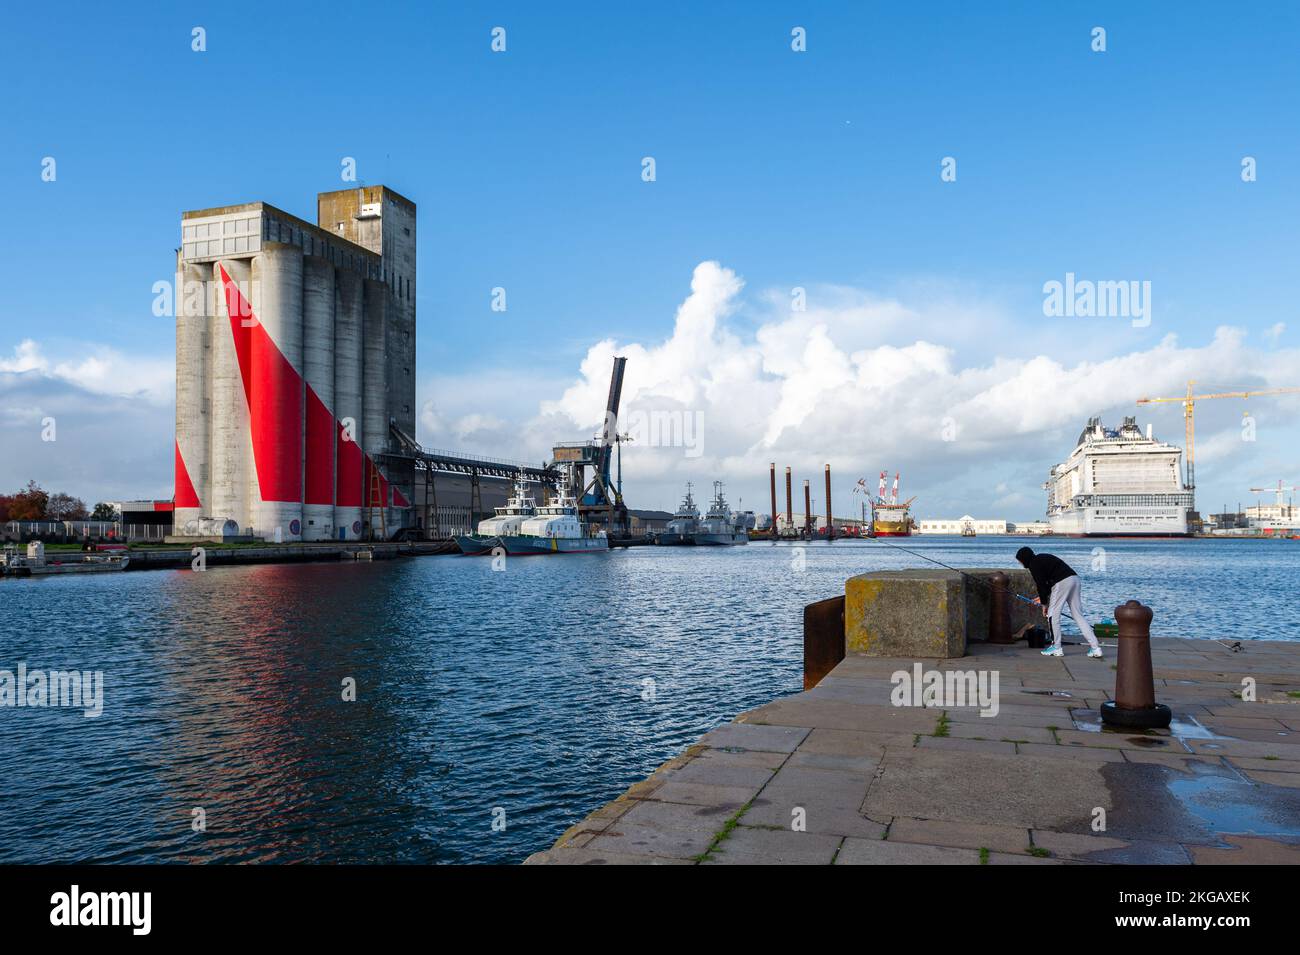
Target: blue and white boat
[(506, 521), (555, 528)]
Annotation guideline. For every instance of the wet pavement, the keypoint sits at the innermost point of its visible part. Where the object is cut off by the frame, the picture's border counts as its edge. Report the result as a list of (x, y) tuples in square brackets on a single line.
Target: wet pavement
[(1028, 775)]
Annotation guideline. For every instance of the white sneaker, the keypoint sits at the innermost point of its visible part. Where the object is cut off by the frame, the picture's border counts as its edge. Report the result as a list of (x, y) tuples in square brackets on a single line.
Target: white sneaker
[(1095, 653), (1052, 652)]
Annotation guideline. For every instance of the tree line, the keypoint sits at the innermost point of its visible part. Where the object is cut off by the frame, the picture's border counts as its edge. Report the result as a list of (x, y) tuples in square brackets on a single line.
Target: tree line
[(34, 503)]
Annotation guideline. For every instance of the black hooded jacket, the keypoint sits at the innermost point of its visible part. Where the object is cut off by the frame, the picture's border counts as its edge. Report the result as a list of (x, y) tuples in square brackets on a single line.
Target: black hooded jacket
[(1047, 570)]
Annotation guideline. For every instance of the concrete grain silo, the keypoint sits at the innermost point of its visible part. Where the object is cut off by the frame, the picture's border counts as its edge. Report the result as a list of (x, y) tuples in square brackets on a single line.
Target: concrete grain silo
[(347, 404), (230, 450), (318, 351), (375, 403), (194, 303), (287, 384), (275, 392)]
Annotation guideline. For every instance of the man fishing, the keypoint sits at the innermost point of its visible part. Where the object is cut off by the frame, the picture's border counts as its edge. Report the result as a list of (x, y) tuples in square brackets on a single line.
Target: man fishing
[(1058, 585)]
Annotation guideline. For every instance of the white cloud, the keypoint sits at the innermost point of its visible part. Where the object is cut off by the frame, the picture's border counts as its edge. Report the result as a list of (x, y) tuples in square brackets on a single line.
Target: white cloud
[(99, 370), (112, 422), (27, 357), (490, 412), (858, 380), (807, 388)]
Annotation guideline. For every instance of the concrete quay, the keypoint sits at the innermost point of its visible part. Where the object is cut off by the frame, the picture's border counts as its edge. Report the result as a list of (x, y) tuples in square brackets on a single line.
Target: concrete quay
[(839, 775)]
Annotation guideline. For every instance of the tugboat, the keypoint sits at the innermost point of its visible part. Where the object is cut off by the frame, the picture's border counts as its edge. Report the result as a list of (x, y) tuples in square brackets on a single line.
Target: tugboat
[(720, 527), (681, 529), (555, 529), (506, 520)]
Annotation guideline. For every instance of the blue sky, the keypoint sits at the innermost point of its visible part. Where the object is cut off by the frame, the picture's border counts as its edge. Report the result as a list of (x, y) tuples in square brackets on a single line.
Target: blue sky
[(817, 169)]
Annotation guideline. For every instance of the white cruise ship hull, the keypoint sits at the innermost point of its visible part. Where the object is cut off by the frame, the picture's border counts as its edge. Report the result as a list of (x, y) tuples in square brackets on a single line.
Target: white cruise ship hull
[(1121, 522)]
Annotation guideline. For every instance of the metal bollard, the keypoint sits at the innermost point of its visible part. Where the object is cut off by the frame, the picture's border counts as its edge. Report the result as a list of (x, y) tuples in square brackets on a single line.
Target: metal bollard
[(823, 639), (1135, 705), (999, 608)]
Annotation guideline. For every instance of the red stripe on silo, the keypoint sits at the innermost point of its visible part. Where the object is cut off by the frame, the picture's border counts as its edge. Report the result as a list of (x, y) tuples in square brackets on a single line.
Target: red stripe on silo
[(186, 496), (320, 451), (350, 468), (274, 392)]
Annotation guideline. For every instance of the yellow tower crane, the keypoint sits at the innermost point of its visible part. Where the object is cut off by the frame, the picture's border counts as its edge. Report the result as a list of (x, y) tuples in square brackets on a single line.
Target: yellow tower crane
[(1189, 402)]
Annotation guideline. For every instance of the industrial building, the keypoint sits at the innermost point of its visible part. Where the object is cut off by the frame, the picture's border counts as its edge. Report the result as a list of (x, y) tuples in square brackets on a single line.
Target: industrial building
[(641, 522), (965, 525), (1029, 527), (144, 513), (295, 369)]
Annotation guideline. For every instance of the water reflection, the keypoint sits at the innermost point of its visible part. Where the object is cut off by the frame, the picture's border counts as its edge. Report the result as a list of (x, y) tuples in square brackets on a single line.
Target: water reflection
[(527, 691)]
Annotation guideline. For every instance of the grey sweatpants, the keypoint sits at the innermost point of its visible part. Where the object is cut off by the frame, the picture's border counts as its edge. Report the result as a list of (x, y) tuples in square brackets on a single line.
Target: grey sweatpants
[(1063, 593)]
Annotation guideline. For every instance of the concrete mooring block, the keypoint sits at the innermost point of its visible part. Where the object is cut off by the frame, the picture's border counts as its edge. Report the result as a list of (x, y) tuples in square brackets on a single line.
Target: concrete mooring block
[(906, 613)]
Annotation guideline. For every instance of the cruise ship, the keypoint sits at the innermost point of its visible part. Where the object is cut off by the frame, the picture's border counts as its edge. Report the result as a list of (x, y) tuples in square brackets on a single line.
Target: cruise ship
[(1118, 483)]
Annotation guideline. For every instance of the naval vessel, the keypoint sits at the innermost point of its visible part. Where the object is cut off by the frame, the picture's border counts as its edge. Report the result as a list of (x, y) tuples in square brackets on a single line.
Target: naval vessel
[(721, 526)]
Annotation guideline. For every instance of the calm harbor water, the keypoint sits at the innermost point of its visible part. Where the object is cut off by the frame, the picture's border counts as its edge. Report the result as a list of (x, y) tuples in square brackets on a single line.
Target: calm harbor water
[(532, 695)]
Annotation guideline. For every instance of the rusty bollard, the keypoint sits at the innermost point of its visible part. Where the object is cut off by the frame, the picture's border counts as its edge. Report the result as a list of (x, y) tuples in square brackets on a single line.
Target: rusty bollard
[(1135, 705), (999, 608), (823, 639)]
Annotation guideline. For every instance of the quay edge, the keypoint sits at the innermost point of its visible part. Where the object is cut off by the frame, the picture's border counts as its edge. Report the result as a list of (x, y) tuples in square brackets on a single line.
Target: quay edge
[(838, 775)]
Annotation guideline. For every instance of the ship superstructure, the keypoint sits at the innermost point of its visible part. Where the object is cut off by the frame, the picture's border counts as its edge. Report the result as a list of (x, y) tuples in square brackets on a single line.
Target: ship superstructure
[(556, 528), (889, 518), (721, 525), (1119, 482), (681, 529), (506, 520)]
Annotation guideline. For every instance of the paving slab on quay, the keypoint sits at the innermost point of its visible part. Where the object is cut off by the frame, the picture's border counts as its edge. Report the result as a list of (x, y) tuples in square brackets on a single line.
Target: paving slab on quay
[(839, 775)]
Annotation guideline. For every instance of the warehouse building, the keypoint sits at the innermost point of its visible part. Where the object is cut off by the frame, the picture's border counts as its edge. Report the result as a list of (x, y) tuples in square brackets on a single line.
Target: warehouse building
[(295, 359), (965, 525)]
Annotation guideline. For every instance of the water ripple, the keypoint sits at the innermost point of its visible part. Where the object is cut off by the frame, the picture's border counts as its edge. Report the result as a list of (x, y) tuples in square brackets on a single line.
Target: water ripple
[(526, 692)]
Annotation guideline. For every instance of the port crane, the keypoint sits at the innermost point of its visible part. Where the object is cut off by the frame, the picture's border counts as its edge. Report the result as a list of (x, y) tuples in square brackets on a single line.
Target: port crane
[(1280, 490), (1188, 402), (600, 497)]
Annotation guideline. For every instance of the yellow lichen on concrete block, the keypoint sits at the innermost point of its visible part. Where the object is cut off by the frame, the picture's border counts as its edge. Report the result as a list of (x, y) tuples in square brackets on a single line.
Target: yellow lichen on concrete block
[(905, 613)]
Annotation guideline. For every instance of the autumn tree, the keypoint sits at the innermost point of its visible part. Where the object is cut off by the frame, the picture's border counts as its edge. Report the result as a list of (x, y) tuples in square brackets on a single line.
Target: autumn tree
[(29, 504)]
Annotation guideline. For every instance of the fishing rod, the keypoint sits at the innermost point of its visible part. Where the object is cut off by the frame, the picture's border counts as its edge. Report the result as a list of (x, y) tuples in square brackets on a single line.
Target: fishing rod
[(956, 570)]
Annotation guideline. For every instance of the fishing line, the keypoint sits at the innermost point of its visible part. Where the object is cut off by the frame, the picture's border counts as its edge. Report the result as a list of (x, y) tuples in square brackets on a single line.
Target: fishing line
[(955, 570), (982, 580)]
